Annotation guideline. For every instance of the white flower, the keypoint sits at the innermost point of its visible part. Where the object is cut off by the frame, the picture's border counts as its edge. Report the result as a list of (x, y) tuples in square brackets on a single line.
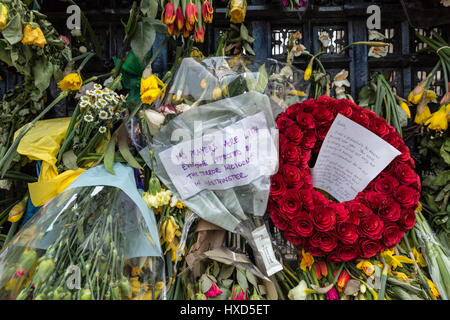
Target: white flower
[(378, 52), (445, 3), (90, 92), (300, 292), (124, 98), (182, 107), (154, 120), (102, 129), (116, 101), (108, 97), (76, 32), (98, 105), (160, 199), (103, 102), (341, 79), (84, 104), (173, 201), (298, 50), (85, 99), (82, 49), (5, 184), (103, 115), (88, 118), (98, 93), (98, 86), (375, 35), (324, 38)]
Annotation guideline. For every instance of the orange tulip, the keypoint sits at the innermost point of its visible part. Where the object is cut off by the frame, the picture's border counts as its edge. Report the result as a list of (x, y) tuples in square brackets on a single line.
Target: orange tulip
[(199, 35), (168, 14), (342, 280), (321, 269)]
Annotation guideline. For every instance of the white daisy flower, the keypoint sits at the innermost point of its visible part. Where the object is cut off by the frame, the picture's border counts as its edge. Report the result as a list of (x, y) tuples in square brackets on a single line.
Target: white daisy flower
[(85, 99), (103, 115), (98, 105), (97, 86), (88, 118), (103, 102), (90, 92), (98, 92), (124, 98), (102, 129), (108, 97), (84, 104), (116, 101)]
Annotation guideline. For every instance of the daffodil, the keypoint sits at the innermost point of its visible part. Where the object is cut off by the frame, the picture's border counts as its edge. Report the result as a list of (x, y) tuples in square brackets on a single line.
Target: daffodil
[(307, 260), (151, 89), (402, 276), (433, 288), (366, 266), (422, 117), (395, 260), (405, 107), (3, 16), (33, 36), (300, 292), (419, 258), (72, 81), (438, 120), (308, 72), (297, 93), (169, 230), (238, 9)]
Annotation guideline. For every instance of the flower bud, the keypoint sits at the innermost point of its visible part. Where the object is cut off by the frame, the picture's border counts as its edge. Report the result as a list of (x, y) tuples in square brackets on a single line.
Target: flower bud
[(85, 294), (125, 286), (44, 271), (3, 16), (217, 93)]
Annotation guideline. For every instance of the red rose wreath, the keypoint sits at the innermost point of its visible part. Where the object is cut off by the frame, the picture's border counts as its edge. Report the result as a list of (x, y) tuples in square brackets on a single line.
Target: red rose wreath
[(375, 220)]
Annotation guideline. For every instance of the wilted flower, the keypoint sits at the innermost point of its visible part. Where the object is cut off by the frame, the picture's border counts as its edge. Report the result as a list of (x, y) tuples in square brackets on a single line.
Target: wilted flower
[(214, 291), (33, 36), (151, 89), (422, 117), (321, 269), (191, 16), (340, 79), (169, 230), (154, 120), (405, 107), (199, 34), (168, 14), (438, 120), (207, 12), (300, 292), (238, 10), (324, 38), (72, 82), (179, 18), (366, 266), (3, 16), (342, 279), (375, 35), (217, 93), (433, 288), (378, 52), (306, 261), (298, 49)]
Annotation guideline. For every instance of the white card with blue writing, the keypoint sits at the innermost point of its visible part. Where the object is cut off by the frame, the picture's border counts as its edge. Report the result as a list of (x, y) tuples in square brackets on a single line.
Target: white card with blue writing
[(222, 159), (350, 157)]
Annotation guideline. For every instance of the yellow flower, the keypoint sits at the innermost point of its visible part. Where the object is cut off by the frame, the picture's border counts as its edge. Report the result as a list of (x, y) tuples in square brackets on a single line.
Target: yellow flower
[(307, 260), (395, 260), (135, 271), (419, 206), (308, 72), (419, 258), (224, 90), (3, 16), (405, 107), (433, 288), (438, 120), (203, 83), (135, 285), (169, 230), (16, 213), (179, 205), (422, 117), (217, 93), (297, 93), (151, 89), (33, 36), (195, 53), (401, 276), (238, 9), (366, 266), (71, 82)]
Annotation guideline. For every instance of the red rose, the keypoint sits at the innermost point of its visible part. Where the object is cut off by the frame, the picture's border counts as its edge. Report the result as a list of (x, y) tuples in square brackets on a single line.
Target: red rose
[(293, 110), (347, 252), (323, 114), (321, 132), (346, 232), (324, 218), (406, 196), (291, 235), (405, 156), (391, 235), (282, 140), (283, 123), (341, 212), (290, 204), (308, 106), (389, 210), (344, 108), (333, 257), (277, 186), (371, 227), (326, 241), (407, 219), (304, 157), (368, 247), (374, 199), (303, 226), (357, 211), (307, 199), (306, 120), (290, 153), (314, 251), (394, 140), (361, 116), (309, 139), (279, 220), (379, 126), (386, 185), (294, 133), (405, 174), (293, 176)]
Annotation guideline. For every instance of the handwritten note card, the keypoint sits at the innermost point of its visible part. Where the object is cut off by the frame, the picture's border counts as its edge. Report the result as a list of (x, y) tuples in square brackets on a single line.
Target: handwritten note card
[(233, 156), (350, 157)]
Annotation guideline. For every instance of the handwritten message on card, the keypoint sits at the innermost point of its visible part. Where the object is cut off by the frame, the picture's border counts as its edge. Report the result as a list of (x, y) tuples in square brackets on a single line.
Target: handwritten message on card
[(350, 157), (233, 156)]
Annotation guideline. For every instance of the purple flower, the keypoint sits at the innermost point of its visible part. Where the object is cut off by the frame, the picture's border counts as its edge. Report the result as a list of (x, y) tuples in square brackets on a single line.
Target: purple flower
[(332, 294)]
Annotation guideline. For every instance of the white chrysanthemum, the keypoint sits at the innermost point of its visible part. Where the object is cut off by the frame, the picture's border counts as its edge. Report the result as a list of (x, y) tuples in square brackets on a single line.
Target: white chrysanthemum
[(116, 101), (98, 105), (84, 104), (111, 110), (88, 118), (90, 92), (103, 102), (98, 92), (124, 98), (103, 115), (98, 86), (85, 99), (102, 129), (108, 97)]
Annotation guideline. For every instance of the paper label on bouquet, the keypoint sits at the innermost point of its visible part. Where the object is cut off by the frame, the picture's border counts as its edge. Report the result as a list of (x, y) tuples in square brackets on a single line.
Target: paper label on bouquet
[(350, 157), (221, 159), (264, 246)]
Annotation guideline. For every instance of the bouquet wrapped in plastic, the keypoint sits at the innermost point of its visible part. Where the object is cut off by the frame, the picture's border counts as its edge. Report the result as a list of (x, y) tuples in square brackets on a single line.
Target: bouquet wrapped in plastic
[(96, 240)]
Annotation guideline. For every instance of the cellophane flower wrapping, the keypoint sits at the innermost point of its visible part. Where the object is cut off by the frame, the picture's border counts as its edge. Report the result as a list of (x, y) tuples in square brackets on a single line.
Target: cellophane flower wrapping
[(92, 242)]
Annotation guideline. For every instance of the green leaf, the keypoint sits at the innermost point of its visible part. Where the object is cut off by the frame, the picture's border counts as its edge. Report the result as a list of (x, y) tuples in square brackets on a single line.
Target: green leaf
[(143, 39), (248, 48), (109, 155), (124, 149), (226, 272), (5, 55), (149, 8), (441, 179), (13, 30), (158, 25), (244, 32), (205, 283), (70, 160), (250, 79), (251, 278), (402, 116), (241, 278), (216, 269), (263, 79), (42, 72), (445, 151)]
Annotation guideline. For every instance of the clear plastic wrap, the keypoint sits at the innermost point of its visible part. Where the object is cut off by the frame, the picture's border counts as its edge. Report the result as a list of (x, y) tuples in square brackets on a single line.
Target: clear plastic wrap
[(92, 242)]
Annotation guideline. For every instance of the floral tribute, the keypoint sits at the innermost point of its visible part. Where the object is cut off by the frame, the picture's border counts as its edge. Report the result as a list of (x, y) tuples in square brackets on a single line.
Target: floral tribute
[(375, 220)]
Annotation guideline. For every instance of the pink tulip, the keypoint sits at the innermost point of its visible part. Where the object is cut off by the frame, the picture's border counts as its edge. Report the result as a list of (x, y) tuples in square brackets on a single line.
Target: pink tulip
[(214, 291), (332, 294)]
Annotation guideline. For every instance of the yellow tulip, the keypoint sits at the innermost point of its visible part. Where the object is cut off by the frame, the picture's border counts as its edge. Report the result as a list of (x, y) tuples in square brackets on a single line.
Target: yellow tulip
[(308, 72), (151, 89), (402, 276), (16, 213), (423, 116), (169, 228), (33, 36), (307, 260), (217, 93), (3, 16), (438, 120), (433, 288), (405, 107), (72, 82), (238, 9)]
